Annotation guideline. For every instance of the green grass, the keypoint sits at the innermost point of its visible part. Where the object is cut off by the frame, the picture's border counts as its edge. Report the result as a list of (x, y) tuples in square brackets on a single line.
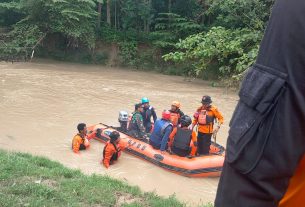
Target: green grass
[(27, 180)]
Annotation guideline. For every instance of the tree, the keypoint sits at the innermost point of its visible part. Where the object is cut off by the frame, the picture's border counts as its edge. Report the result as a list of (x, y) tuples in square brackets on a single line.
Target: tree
[(233, 51), (99, 10), (73, 19), (230, 40), (10, 12), (198, 34), (169, 28), (109, 12)]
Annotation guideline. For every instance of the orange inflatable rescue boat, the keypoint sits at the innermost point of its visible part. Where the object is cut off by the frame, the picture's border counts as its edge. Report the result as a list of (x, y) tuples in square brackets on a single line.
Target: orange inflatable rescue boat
[(201, 166)]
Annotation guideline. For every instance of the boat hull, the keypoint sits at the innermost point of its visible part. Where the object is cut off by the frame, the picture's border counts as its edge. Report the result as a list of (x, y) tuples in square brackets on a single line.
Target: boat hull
[(201, 166)]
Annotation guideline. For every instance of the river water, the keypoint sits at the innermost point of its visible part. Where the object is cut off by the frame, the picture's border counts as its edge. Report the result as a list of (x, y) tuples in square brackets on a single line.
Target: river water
[(42, 102)]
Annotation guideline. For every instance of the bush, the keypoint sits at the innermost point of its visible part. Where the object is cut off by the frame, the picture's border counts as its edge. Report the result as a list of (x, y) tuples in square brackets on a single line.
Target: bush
[(128, 53), (100, 58)]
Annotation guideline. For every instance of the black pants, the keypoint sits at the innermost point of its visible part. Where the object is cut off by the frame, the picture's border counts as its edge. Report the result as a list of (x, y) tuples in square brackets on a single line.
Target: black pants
[(204, 143), (147, 127)]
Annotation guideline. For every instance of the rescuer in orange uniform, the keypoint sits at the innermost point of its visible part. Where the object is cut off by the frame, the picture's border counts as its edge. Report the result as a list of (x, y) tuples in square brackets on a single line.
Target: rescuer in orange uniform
[(176, 113), (175, 118), (112, 149), (80, 141), (205, 118)]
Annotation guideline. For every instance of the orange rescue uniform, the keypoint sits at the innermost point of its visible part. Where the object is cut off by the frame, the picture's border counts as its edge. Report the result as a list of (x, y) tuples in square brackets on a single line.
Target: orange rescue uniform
[(109, 153), (194, 139), (77, 141), (295, 195), (175, 116), (212, 112)]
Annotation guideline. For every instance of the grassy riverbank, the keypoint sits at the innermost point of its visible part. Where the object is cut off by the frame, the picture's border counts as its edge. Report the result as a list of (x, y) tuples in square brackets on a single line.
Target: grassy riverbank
[(27, 180)]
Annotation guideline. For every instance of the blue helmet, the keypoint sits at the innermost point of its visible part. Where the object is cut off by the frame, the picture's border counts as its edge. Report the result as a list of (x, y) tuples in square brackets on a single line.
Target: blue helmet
[(145, 100)]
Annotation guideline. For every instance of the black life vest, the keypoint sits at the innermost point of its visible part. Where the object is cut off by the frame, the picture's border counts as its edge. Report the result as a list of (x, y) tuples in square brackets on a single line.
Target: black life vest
[(182, 139)]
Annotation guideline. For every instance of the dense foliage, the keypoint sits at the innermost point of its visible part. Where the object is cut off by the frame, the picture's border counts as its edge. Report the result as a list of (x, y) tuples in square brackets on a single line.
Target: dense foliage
[(74, 20), (193, 36)]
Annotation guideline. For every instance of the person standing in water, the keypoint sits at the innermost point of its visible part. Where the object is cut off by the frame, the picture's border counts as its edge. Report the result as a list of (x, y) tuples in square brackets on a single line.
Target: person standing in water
[(112, 149), (80, 141)]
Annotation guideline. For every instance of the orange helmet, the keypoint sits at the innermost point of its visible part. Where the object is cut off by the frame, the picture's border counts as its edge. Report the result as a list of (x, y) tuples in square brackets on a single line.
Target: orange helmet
[(166, 115), (176, 103)]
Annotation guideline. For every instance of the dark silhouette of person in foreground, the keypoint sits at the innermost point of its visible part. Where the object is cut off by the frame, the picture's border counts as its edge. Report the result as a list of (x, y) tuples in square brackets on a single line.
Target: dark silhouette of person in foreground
[(266, 140)]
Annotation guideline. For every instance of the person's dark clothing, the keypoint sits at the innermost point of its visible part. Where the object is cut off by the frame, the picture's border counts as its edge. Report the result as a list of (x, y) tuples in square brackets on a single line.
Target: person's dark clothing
[(147, 114), (136, 128), (204, 143), (267, 134), (82, 147), (182, 141)]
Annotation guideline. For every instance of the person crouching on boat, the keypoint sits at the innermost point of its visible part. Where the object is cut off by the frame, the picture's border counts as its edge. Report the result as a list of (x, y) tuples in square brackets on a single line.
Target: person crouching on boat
[(136, 127), (112, 149), (160, 135), (183, 137), (80, 141)]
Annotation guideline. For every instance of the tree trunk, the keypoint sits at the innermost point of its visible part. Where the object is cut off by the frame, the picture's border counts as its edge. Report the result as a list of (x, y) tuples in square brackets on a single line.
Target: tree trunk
[(205, 9), (169, 6), (149, 19), (115, 14), (99, 18), (118, 14), (145, 25), (108, 12)]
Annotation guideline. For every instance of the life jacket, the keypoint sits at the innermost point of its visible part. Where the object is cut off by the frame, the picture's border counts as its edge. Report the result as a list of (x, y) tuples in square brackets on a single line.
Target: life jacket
[(175, 118), (115, 155), (204, 118), (182, 139), (165, 126), (159, 130)]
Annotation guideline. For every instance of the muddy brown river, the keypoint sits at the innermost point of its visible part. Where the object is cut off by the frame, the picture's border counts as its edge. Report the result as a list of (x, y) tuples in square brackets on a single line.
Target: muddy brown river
[(42, 102)]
